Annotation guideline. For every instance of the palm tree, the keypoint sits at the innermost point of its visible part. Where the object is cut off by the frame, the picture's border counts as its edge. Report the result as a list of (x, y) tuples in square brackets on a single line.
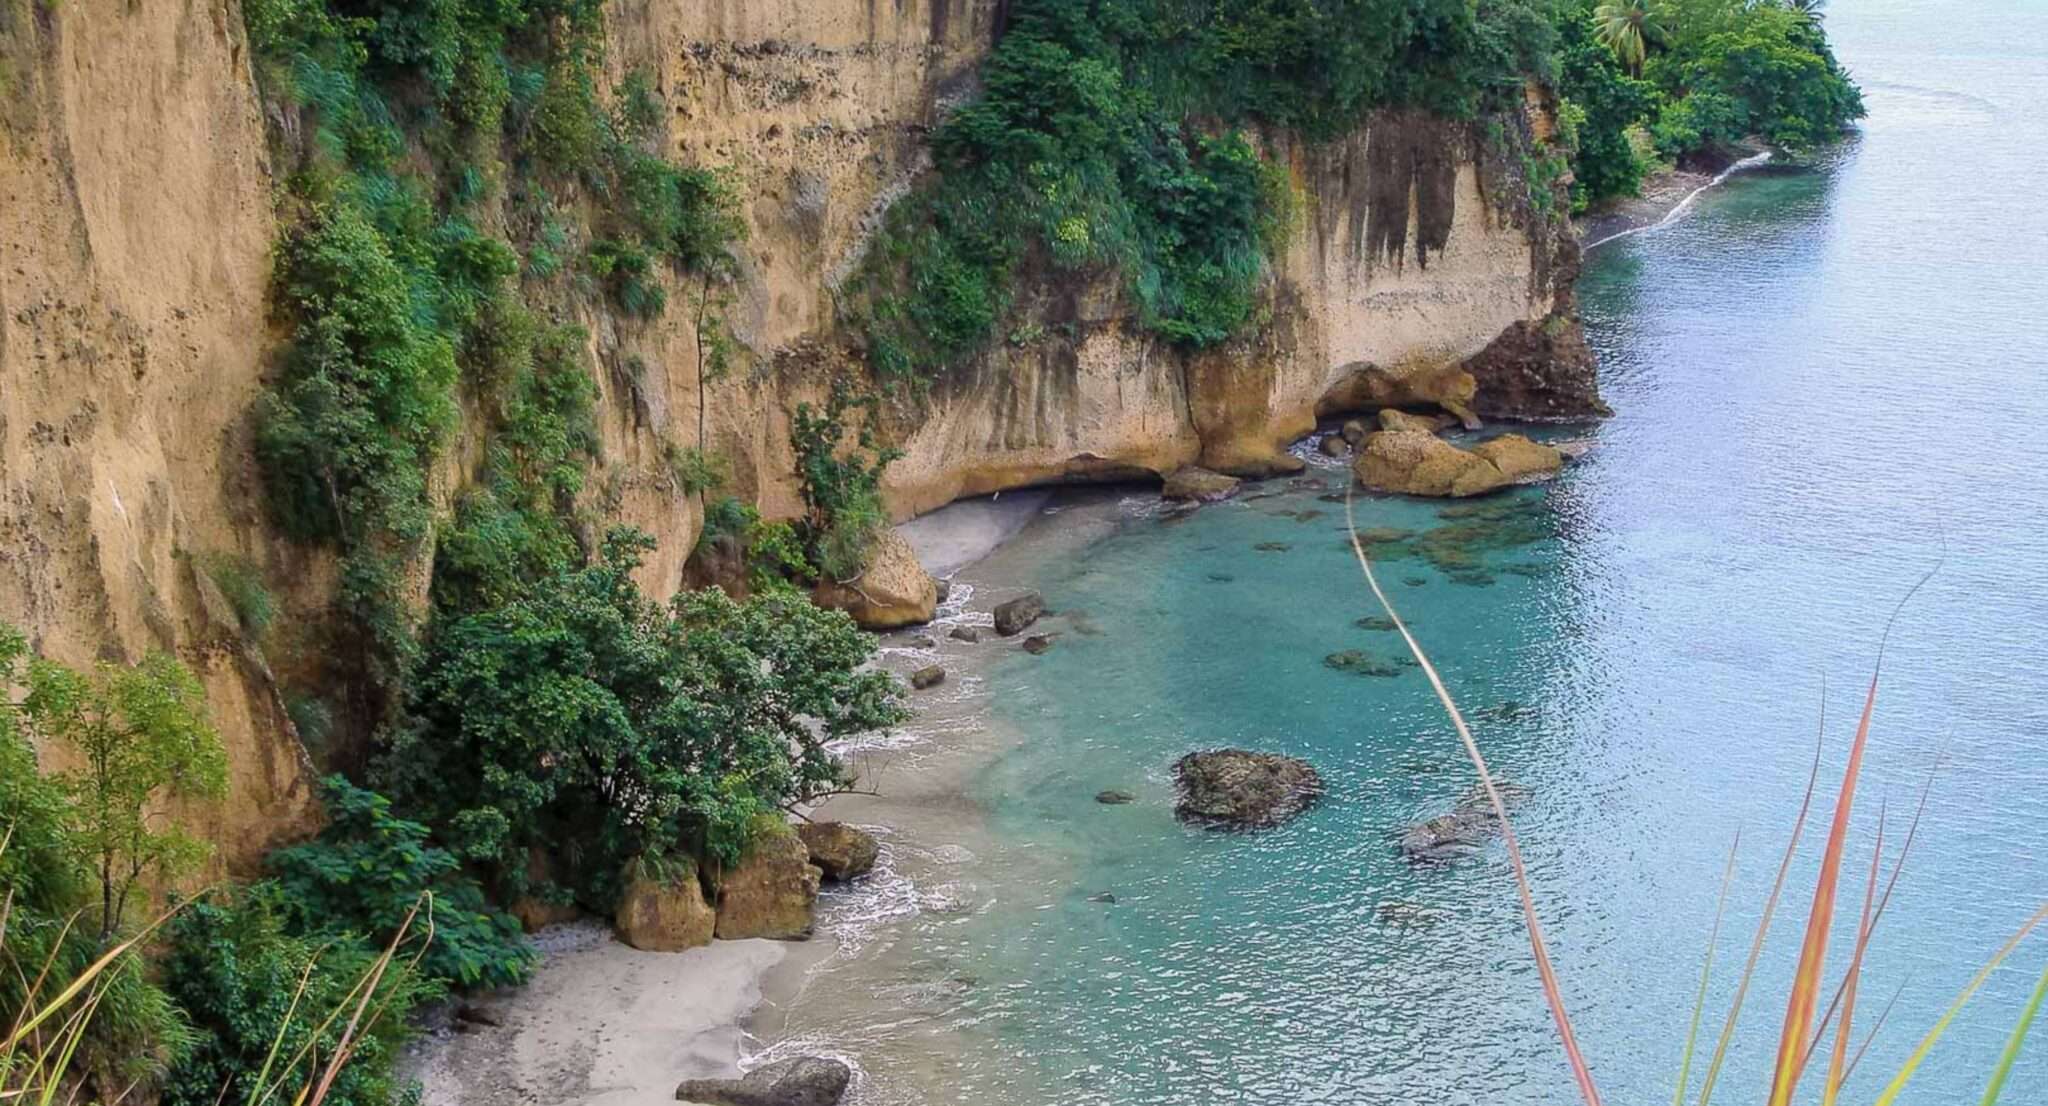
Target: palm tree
[(1626, 26), (1811, 9)]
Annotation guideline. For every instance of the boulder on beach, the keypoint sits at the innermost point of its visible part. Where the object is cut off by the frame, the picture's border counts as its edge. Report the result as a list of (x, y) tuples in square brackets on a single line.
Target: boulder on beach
[(1414, 462), (965, 633), (1235, 788), (662, 908), (1198, 485), (840, 851), (930, 675), (1015, 615), (893, 591), (798, 1081), (771, 892)]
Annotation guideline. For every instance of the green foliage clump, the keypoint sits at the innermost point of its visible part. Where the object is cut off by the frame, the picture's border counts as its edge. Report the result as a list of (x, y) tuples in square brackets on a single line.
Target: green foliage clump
[(1083, 152), (586, 720), (775, 554), (842, 492), (242, 585), (142, 737), (50, 891), (366, 872), (1700, 77), (270, 1007)]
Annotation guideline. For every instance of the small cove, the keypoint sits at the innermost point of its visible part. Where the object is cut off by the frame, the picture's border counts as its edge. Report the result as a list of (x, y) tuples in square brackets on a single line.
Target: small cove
[(1826, 377)]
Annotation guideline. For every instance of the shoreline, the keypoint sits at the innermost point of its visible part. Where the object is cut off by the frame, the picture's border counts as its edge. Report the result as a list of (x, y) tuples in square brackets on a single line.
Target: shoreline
[(1665, 199), (603, 1024)]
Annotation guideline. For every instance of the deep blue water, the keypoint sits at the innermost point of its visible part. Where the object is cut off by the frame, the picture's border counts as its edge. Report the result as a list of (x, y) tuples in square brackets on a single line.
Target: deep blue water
[(1828, 382)]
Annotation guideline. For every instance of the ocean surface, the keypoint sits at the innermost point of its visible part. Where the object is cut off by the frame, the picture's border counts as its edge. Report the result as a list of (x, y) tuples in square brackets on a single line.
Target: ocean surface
[(1830, 380)]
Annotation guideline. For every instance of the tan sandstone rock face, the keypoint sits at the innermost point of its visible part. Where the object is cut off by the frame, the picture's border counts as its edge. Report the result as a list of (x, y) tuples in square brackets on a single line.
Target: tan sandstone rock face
[(841, 851), (665, 914), (136, 237), (1395, 419), (771, 892), (1415, 462), (1198, 484), (893, 591)]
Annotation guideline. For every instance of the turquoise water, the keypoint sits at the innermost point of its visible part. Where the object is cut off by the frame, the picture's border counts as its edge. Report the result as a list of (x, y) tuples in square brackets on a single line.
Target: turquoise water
[(1829, 381)]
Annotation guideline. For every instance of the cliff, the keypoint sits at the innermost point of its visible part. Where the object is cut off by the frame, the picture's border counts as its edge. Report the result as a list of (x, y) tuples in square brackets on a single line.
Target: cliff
[(136, 236)]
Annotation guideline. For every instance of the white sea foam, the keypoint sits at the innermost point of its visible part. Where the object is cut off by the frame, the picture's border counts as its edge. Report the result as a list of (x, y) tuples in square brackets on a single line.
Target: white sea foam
[(1684, 205)]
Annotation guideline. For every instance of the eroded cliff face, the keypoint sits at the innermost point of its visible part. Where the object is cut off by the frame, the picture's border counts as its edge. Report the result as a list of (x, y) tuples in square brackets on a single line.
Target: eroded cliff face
[(136, 229)]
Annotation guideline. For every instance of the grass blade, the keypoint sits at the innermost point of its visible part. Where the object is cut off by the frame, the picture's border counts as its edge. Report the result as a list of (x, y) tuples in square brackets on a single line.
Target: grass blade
[(1898, 1083), (1551, 992), (1699, 1003), (1763, 925), (1806, 979), (1874, 1027), (1838, 1059), (2012, 1043)]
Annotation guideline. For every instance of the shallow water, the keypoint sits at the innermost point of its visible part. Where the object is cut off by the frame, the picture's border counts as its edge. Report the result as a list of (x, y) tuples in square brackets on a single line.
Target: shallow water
[(1829, 382)]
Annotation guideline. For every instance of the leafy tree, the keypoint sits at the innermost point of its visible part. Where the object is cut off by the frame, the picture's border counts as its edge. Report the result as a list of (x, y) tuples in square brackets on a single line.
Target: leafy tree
[(366, 872), (588, 721), (144, 739), (47, 886), (1605, 163)]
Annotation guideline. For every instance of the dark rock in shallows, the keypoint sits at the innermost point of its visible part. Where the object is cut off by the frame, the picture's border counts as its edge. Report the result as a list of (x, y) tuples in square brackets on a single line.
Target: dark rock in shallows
[(945, 589), (1113, 797), (1106, 896), (1198, 485), (922, 641), (1273, 546), (1037, 643), (800, 1081), (1014, 616), (1463, 831), (1333, 445), (1239, 789), (839, 850), (965, 633), (928, 676)]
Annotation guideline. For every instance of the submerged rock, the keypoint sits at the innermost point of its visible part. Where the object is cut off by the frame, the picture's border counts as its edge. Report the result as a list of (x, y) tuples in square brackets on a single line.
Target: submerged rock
[(893, 591), (1273, 546), (1014, 616), (799, 1081), (1105, 896), (662, 908), (840, 851), (1198, 485), (771, 892), (1463, 831), (1240, 789), (930, 675), (1037, 644), (1113, 797), (1377, 622), (1358, 662)]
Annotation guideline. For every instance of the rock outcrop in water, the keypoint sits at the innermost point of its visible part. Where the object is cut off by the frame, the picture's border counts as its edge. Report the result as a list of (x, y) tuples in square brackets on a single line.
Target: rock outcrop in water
[(1017, 615), (1198, 485), (1416, 462), (1236, 789), (840, 851), (799, 1081)]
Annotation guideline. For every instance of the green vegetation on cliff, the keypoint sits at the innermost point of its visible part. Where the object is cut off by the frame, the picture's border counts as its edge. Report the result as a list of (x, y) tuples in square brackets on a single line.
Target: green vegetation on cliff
[(1650, 81), (1109, 135)]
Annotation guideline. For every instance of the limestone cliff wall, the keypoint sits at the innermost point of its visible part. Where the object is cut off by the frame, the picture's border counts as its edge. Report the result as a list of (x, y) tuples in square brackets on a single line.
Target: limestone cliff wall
[(136, 228)]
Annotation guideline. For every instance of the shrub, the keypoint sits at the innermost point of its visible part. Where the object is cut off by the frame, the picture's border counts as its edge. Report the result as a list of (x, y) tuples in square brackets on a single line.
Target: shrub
[(369, 868), (242, 585), (587, 720), (255, 991), (841, 490)]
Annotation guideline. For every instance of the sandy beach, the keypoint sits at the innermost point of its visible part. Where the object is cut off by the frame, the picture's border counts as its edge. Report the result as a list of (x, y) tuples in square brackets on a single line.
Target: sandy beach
[(602, 1024)]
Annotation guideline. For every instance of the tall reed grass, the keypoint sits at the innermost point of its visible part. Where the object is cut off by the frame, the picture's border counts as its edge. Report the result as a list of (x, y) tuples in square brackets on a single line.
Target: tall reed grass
[(1805, 1026)]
